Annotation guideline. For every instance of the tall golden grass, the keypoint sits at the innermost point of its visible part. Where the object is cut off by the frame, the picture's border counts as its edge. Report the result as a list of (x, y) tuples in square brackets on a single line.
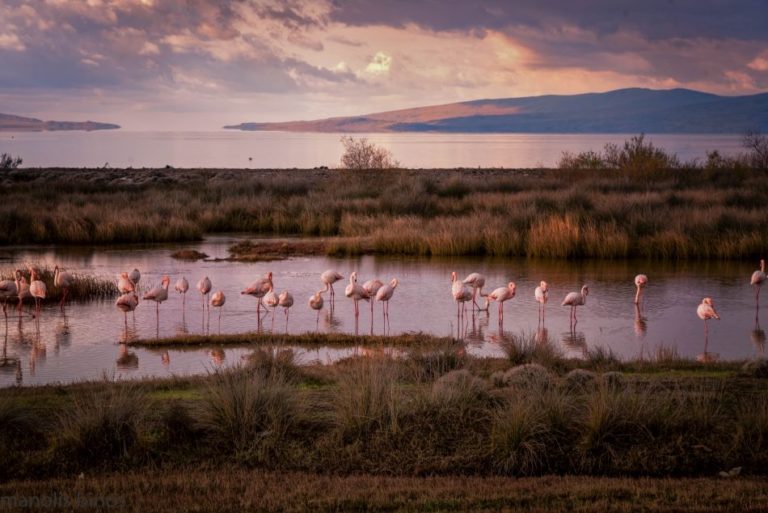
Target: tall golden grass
[(680, 213)]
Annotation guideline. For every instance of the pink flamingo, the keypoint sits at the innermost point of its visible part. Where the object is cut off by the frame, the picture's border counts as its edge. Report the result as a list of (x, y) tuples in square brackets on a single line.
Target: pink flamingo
[(500, 295), (217, 301), (575, 299), (158, 294), (204, 286), (182, 286), (23, 289), (285, 299), (8, 290), (758, 277), (127, 303), (476, 281), (706, 311), (542, 296), (258, 289), (330, 277), (641, 281), (125, 284), (135, 276), (356, 292), (38, 290), (460, 293), (62, 280), (316, 303), (371, 287), (384, 294)]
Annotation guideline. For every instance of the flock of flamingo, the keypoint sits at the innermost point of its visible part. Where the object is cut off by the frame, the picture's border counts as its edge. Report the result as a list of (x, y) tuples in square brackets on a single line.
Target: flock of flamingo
[(263, 289)]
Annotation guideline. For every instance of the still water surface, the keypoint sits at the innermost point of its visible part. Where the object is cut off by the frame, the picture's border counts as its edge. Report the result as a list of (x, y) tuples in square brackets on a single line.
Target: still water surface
[(236, 149), (84, 341)]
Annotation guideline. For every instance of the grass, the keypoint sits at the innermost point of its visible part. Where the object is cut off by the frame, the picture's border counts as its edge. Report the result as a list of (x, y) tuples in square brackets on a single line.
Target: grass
[(680, 213), (86, 287), (235, 489)]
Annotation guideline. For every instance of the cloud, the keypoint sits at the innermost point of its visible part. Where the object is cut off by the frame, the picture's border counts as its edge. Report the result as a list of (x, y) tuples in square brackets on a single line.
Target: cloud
[(380, 64)]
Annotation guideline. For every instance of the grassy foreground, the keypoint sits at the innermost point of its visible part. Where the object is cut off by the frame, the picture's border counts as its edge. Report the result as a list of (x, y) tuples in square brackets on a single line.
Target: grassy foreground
[(255, 490), (684, 212)]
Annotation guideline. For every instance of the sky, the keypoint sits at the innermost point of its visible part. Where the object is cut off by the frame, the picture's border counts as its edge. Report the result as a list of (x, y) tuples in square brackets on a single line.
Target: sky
[(201, 64)]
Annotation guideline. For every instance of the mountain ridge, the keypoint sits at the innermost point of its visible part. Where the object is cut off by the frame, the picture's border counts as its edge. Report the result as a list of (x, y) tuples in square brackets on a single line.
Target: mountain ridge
[(629, 110), (14, 123)]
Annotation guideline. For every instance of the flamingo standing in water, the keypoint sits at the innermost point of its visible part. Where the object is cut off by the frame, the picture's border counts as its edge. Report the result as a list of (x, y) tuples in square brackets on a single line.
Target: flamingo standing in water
[(384, 294), (182, 286), (159, 294), (258, 289), (135, 276), (62, 280), (706, 311), (316, 303), (270, 301), (23, 289), (372, 287), (330, 277), (575, 299), (285, 299), (542, 296), (476, 281), (217, 301), (641, 281), (127, 303), (460, 293), (500, 295), (758, 277), (356, 292), (37, 289), (204, 286), (8, 290), (125, 284)]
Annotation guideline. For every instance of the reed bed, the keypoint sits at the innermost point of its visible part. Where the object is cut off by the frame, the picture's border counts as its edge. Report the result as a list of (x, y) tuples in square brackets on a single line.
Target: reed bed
[(86, 287), (678, 213)]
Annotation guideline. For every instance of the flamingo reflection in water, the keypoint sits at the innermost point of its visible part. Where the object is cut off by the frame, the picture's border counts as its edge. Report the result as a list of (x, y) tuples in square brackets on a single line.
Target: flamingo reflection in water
[(641, 323), (126, 360)]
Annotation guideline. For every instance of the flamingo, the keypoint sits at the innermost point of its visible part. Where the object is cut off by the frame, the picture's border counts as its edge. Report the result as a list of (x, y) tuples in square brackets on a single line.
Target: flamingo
[(258, 288), (641, 281), (371, 287), (574, 299), (23, 289), (182, 286), (330, 277), (159, 294), (476, 281), (542, 295), (125, 284), (204, 286), (135, 276), (37, 289), (459, 291), (271, 301), (8, 290), (285, 299), (706, 311), (758, 277), (356, 292), (62, 280), (316, 303), (127, 303), (500, 295), (217, 300), (384, 294)]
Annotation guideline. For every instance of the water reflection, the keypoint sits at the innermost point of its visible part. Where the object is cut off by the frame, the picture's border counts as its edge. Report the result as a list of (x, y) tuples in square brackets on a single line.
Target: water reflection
[(641, 323), (575, 341), (126, 360)]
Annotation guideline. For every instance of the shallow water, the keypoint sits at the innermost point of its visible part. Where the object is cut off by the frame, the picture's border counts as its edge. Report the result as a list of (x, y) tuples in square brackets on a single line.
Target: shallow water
[(83, 342), (235, 149)]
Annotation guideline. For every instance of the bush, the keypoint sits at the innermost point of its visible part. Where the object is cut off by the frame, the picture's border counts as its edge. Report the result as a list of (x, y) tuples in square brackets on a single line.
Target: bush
[(460, 386), (580, 380), (528, 376), (7, 161), (249, 414), (360, 154), (102, 427), (757, 144), (520, 437)]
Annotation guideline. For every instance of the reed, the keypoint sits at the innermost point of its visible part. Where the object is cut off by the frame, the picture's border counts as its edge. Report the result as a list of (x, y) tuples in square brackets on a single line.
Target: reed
[(86, 287), (678, 212)]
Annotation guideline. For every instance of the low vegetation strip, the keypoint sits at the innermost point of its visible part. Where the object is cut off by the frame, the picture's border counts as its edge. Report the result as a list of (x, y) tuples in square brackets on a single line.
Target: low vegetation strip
[(646, 205), (431, 412), (238, 489)]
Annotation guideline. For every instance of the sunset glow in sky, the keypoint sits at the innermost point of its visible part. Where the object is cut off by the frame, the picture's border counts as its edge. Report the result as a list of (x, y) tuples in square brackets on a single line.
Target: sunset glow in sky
[(200, 64)]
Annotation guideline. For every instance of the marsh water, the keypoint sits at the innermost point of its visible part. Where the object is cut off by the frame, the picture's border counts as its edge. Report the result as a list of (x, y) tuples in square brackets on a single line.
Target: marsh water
[(236, 149), (84, 341)]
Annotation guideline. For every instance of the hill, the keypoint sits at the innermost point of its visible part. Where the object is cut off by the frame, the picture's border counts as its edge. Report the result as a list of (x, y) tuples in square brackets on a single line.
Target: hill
[(621, 111), (11, 123)]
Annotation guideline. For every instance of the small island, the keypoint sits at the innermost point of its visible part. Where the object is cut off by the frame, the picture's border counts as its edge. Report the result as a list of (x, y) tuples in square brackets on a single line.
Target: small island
[(11, 123)]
